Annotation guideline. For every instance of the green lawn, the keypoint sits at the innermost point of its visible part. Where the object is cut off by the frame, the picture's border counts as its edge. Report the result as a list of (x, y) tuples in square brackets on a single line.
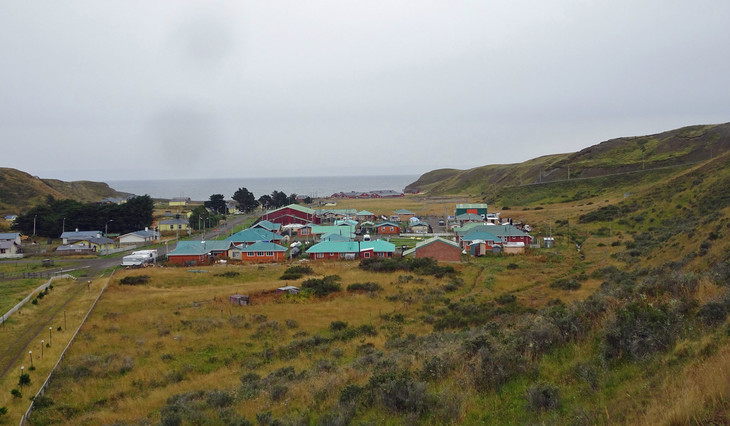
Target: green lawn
[(13, 291)]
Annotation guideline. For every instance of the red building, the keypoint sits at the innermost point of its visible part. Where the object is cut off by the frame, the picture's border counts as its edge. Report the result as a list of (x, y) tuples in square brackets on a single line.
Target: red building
[(436, 248), (293, 213), (388, 228)]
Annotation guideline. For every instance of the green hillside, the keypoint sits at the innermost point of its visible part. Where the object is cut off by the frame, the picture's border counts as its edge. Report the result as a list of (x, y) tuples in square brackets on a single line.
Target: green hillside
[(676, 148), (20, 191)]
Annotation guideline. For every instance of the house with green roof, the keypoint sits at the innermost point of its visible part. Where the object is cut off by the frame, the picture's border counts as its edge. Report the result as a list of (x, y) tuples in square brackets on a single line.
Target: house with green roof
[(507, 233), (267, 225), (436, 248), (316, 231), (190, 253), (364, 215), (477, 209), (259, 252), (253, 235), (388, 228), (351, 250), (404, 214)]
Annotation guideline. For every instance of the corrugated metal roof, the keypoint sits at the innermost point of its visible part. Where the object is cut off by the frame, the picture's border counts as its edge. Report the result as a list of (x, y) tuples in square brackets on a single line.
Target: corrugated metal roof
[(261, 246), (254, 234), (351, 247), (296, 207), (403, 211), (9, 235), (471, 206), (80, 234), (430, 241), (196, 248)]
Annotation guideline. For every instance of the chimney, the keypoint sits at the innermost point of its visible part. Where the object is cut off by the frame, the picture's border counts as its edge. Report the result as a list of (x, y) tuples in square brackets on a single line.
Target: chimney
[(77, 229), (146, 228)]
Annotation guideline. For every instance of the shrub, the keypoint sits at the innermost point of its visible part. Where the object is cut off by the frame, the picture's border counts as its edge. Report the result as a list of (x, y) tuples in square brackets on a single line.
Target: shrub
[(542, 397), (16, 393), (3, 411), (338, 325), (350, 394), (227, 274), (219, 398), (278, 392), (290, 323), (398, 392), (35, 301), (640, 329), (565, 284), (295, 272), (42, 401), (712, 313), (504, 299), (135, 280), (513, 266), (250, 385), (24, 379), (367, 286), (322, 286)]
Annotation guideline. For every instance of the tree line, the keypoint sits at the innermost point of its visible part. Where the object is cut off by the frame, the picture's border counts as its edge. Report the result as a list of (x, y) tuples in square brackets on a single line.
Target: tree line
[(55, 216), (247, 202)]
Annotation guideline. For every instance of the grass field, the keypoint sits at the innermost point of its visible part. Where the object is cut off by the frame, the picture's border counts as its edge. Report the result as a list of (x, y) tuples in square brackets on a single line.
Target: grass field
[(13, 291), (27, 328)]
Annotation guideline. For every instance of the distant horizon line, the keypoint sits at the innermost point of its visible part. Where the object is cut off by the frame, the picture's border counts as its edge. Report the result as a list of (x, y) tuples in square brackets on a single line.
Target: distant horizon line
[(261, 178)]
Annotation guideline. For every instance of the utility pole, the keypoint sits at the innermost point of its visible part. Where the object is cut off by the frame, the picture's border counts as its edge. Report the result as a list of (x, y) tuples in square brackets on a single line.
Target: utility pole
[(34, 224)]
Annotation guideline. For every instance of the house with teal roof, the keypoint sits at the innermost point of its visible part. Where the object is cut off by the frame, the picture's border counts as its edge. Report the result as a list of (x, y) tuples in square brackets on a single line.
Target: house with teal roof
[(259, 252), (253, 235), (198, 252), (364, 215), (268, 226), (351, 250)]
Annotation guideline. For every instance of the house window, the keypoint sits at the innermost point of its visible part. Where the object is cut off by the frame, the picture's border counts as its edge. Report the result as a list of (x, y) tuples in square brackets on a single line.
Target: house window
[(269, 253), (332, 255), (381, 254), (320, 255), (2, 251), (259, 253), (179, 226), (172, 227), (250, 254), (367, 254)]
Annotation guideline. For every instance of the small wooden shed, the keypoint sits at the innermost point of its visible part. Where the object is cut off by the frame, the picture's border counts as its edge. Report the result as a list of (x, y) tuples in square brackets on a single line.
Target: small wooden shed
[(239, 299)]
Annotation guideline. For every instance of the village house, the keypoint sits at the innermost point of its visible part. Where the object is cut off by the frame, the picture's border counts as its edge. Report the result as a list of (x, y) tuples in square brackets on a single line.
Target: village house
[(72, 236), (479, 209), (259, 252), (250, 236), (404, 214), (10, 245), (146, 236), (267, 225), (489, 240), (387, 228), (351, 250), (173, 225), (316, 231), (190, 253), (506, 233), (436, 248), (419, 227), (293, 213), (179, 201), (365, 215)]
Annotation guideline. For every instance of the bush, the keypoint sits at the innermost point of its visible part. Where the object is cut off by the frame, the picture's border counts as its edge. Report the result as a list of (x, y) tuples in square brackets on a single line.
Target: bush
[(350, 394), (135, 280), (16, 393), (278, 392), (542, 397), (322, 286), (42, 401), (3, 411), (250, 385), (295, 272), (513, 266), (367, 286), (565, 284), (227, 274), (504, 299), (338, 325), (640, 329), (712, 313)]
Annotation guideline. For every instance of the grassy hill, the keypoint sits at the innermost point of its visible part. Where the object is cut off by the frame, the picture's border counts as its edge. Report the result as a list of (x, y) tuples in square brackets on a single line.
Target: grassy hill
[(675, 148), (625, 321), (20, 191)]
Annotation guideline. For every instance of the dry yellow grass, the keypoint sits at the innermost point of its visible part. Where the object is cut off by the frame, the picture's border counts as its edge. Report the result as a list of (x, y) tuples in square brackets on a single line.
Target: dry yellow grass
[(19, 324)]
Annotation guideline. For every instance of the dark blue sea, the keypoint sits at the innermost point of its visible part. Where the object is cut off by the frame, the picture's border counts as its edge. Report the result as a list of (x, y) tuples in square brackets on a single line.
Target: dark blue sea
[(202, 189)]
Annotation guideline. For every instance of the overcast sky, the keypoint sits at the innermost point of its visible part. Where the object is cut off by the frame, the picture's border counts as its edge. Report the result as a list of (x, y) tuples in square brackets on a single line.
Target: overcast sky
[(103, 90)]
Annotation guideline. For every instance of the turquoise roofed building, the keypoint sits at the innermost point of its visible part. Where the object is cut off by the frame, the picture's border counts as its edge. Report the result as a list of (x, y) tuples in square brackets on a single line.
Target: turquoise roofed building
[(350, 250)]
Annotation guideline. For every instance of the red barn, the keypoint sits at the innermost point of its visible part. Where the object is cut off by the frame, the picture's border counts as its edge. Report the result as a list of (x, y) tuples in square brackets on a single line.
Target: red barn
[(293, 213)]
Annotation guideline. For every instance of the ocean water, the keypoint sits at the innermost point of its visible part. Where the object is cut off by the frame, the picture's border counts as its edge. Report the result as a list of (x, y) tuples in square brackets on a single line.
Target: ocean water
[(202, 189)]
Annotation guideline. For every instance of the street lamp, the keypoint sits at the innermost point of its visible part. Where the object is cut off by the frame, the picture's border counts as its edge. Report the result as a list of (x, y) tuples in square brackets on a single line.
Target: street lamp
[(50, 335), (30, 355), (63, 227), (34, 216), (43, 342)]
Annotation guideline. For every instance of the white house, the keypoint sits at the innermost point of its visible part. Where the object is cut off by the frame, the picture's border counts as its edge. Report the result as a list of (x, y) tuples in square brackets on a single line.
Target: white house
[(145, 236)]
